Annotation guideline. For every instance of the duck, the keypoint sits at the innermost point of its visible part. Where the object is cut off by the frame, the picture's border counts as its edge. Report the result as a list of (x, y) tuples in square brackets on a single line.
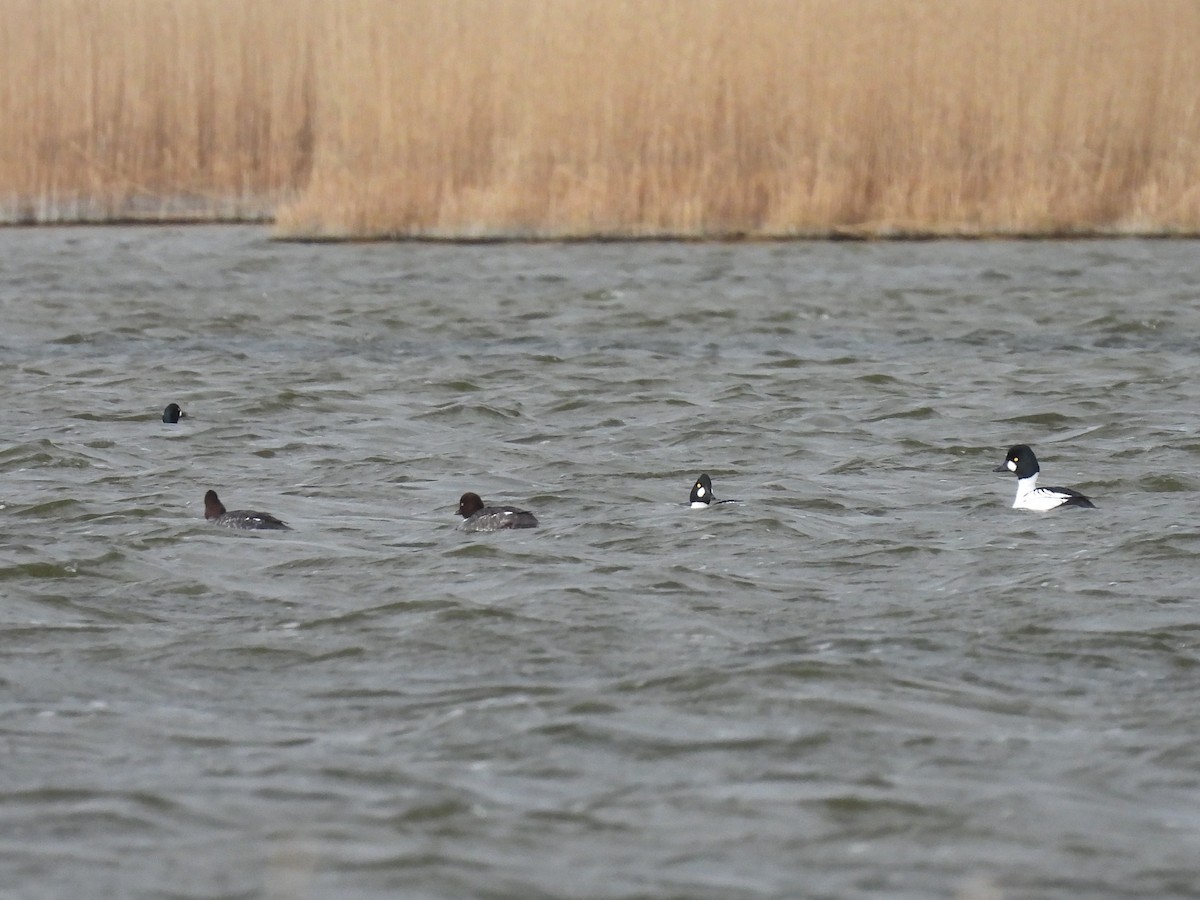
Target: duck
[(246, 519), (1021, 461), (481, 517), (702, 494)]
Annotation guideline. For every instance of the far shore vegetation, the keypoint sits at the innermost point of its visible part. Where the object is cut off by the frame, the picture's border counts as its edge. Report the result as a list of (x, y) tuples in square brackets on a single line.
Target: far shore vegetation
[(605, 119)]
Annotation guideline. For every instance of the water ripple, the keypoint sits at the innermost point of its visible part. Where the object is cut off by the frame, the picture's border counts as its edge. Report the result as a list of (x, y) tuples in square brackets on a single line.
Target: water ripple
[(870, 677)]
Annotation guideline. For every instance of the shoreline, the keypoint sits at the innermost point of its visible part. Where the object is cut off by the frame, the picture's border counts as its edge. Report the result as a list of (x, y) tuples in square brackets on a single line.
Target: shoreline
[(833, 235)]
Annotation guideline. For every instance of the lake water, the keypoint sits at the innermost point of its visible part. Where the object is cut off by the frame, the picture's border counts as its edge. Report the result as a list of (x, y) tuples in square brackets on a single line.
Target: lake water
[(870, 678)]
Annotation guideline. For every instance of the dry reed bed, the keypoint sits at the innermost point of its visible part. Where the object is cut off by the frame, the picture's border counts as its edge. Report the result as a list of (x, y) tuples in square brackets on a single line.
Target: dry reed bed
[(584, 118), (153, 108)]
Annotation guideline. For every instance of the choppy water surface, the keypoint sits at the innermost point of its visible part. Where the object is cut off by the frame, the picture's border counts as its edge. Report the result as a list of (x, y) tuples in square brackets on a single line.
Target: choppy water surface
[(871, 678)]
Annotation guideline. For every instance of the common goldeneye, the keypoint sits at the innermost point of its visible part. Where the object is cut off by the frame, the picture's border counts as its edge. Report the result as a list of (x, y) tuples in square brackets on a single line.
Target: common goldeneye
[(1020, 461), (491, 518), (702, 495), (172, 414), (214, 511)]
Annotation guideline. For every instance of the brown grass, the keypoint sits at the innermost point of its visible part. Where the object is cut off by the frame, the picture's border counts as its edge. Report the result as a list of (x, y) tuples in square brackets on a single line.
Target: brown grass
[(153, 109), (583, 118)]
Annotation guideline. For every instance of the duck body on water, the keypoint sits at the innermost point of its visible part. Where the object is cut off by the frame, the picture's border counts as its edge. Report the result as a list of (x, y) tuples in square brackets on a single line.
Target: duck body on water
[(245, 519), (479, 516), (702, 494), (1021, 461)]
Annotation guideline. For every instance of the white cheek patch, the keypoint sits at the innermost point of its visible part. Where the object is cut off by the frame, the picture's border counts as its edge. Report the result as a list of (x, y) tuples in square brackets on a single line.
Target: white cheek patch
[(700, 492), (1012, 465)]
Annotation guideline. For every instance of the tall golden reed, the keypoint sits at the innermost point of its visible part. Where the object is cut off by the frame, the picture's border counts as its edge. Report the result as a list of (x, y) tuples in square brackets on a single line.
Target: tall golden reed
[(151, 109), (584, 118)]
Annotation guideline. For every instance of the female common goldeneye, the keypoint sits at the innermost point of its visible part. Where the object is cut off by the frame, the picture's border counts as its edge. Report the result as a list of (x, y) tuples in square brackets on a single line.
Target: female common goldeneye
[(172, 414), (1021, 461), (214, 511), (491, 518), (702, 495)]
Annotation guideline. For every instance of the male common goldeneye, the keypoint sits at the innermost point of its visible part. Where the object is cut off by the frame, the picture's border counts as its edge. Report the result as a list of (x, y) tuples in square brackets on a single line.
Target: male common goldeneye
[(1021, 461), (172, 414), (702, 495), (214, 511), (491, 518)]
